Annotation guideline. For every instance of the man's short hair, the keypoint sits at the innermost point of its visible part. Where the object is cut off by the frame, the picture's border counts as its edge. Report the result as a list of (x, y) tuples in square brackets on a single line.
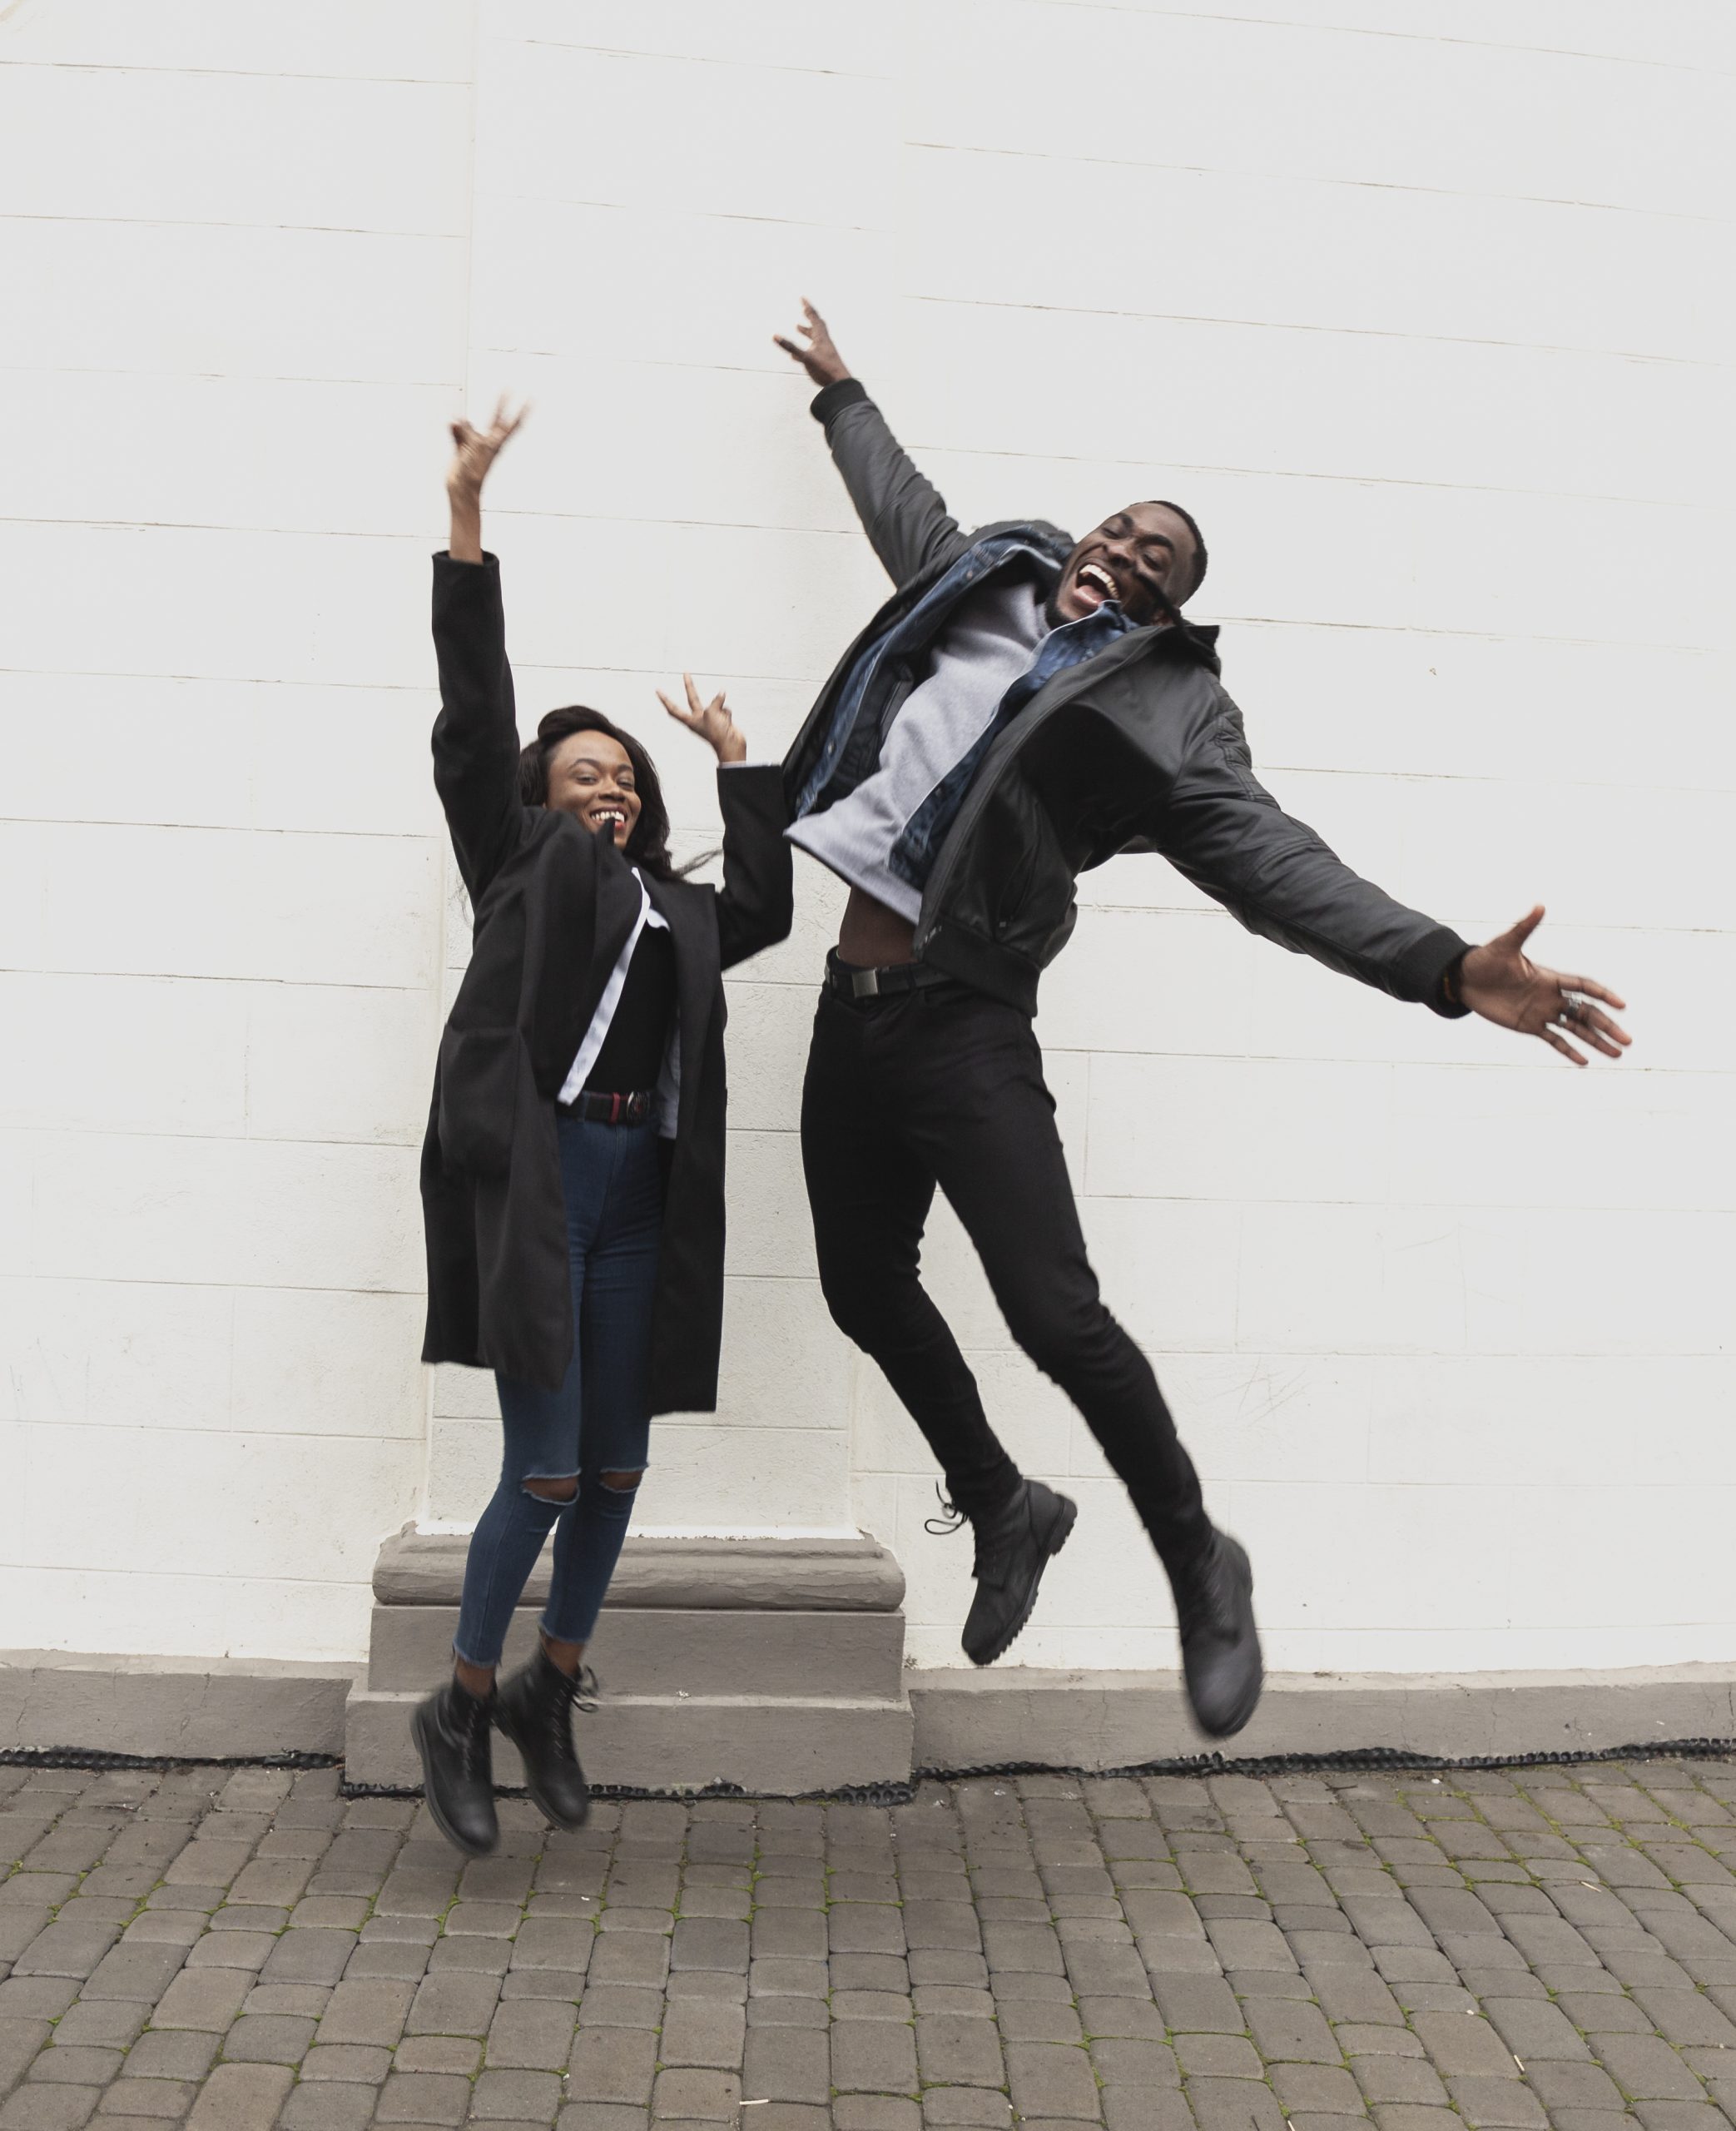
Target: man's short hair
[(1187, 518)]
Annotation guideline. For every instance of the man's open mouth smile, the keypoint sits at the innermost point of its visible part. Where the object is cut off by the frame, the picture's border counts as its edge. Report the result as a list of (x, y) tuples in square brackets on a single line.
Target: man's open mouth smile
[(1094, 585)]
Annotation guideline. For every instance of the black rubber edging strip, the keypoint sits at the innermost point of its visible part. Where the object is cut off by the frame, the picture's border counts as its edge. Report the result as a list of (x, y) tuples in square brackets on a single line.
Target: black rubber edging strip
[(1197, 1764), (1348, 1760)]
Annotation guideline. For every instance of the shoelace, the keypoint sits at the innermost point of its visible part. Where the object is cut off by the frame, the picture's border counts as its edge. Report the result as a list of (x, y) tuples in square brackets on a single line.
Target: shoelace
[(951, 1519), (579, 1692), (991, 1551), (471, 1719)]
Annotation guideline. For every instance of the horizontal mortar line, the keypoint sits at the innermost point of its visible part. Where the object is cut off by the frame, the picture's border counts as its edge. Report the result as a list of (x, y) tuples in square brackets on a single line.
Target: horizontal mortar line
[(692, 58), (1223, 916), (1329, 183), (245, 1136), (429, 990), (1397, 1067), (428, 836), (454, 385), (224, 1287), (217, 525), (125, 67), (1310, 473), (1349, 332), (545, 200), (220, 222), (1398, 37), (228, 1428)]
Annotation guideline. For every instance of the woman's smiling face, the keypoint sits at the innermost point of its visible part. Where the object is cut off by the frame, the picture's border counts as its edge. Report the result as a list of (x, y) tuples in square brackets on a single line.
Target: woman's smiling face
[(591, 778)]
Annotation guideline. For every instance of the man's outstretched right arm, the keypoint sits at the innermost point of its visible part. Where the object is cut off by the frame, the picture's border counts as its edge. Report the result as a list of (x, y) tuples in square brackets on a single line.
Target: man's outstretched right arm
[(902, 514)]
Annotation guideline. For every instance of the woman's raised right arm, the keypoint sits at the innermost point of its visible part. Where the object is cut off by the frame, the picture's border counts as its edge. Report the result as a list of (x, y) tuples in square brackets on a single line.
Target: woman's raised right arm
[(476, 734)]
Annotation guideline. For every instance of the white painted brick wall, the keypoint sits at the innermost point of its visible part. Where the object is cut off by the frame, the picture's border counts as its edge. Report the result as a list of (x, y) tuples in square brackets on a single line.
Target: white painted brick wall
[(1420, 308)]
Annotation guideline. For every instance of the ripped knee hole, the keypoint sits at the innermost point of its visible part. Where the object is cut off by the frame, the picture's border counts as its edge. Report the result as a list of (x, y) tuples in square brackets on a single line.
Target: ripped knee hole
[(621, 1483), (564, 1490)]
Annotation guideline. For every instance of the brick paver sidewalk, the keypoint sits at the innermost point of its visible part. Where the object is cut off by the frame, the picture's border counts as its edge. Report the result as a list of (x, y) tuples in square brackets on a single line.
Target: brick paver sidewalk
[(1503, 1949)]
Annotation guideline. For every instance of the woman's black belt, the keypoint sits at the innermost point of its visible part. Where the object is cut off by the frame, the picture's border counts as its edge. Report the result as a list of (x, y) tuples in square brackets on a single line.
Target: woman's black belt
[(610, 1109)]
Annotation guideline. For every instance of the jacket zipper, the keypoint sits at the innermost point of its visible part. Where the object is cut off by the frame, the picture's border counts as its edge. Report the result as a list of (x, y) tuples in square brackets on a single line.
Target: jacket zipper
[(1067, 687)]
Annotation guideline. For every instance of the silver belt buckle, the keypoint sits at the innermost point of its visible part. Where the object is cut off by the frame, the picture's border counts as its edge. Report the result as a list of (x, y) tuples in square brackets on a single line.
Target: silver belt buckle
[(865, 984)]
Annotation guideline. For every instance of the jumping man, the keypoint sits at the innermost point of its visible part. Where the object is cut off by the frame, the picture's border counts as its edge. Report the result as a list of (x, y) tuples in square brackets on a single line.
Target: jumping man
[(1024, 706)]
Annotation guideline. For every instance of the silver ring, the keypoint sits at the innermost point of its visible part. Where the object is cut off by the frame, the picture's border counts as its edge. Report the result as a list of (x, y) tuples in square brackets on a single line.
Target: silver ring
[(1573, 1004)]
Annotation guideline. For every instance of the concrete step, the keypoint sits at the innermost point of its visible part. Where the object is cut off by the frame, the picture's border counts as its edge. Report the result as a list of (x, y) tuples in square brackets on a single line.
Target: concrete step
[(772, 1745), (664, 1651), (850, 1574)]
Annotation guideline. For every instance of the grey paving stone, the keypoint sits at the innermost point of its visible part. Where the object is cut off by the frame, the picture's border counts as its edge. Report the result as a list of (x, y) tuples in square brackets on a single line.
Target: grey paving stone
[(1648, 2068), (703, 2032), (516, 2097), (1316, 2089), (956, 2049), (430, 2098), (355, 2064), (183, 2055), (874, 2057), (612, 2064), (452, 2005), (139, 1972), (602, 2116), (266, 2039), (1234, 2105), (695, 2097), (531, 2035), (329, 2106), (241, 2098), (438, 2053), (1497, 2102), (39, 2107), (785, 2065), (1120, 2062), (875, 2113), (972, 2106), (76, 2064), (150, 2101), (1050, 2079), (369, 2010), (205, 1998)]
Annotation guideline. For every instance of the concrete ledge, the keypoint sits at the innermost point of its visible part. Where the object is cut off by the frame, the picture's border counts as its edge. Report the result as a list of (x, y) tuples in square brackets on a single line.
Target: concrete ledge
[(221, 1708), (675, 1742), (761, 1575), (1119, 1720)]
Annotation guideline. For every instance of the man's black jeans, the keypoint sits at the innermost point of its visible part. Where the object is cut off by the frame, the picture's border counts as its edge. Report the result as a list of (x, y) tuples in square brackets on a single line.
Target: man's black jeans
[(944, 1086)]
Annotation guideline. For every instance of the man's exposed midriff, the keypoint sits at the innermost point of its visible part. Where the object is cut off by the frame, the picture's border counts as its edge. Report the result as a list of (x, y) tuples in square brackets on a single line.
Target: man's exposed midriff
[(872, 937)]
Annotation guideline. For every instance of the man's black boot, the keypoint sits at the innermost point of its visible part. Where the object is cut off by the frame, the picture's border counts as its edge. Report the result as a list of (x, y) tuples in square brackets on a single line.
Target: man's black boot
[(1015, 1544), (1214, 1586), (534, 1707), (451, 1732)]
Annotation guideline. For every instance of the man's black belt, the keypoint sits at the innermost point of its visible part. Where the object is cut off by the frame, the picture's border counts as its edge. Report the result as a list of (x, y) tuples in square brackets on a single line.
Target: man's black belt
[(849, 982), (610, 1109)]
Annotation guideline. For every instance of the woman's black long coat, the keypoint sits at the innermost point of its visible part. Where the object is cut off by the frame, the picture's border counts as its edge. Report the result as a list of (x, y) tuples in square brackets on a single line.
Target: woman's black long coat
[(554, 905)]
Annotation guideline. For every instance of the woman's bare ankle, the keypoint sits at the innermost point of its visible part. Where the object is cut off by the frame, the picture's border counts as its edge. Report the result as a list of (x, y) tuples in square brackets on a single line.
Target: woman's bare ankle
[(564, 1657), (477, 1680)]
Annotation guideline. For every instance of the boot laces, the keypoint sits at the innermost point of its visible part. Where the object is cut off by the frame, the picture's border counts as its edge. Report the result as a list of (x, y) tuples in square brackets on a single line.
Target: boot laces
[(951, 1519), (469, 1717), (578, 1692)]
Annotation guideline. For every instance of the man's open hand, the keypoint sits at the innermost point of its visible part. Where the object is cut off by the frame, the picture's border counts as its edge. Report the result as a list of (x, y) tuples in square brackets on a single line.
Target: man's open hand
[(1502, 982), (819, 359)]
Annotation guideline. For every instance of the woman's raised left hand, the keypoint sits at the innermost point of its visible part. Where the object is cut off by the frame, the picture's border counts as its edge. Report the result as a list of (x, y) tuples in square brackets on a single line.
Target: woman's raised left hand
[(711, 721)]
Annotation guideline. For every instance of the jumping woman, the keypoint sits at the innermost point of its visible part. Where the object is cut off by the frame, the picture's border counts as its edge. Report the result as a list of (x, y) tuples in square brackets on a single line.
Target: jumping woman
[(572, 1171)]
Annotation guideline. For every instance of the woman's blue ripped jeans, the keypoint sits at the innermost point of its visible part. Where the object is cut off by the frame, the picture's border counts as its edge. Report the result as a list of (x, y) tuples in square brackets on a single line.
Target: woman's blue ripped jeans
[(598, 1422)]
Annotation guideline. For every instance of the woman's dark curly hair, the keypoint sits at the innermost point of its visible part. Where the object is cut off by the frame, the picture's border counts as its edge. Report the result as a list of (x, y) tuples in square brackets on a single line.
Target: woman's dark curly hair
[(648, 845)]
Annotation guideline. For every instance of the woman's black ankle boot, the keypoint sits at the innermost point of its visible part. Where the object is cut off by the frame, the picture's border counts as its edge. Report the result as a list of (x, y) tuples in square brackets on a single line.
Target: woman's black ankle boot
[(452, 1735), (534, 1707)]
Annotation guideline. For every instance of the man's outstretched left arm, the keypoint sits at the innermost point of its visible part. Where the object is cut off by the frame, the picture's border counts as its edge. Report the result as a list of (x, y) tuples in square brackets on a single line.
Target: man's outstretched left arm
[(1222, 829)]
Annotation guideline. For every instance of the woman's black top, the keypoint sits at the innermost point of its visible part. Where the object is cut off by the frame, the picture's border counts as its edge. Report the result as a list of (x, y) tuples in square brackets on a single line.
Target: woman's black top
[(631, 1056)]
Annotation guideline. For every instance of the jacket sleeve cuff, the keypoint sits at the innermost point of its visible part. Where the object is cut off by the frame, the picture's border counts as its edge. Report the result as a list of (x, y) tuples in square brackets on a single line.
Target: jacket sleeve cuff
[(1422, 972), (752, 783), (832, 400)]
